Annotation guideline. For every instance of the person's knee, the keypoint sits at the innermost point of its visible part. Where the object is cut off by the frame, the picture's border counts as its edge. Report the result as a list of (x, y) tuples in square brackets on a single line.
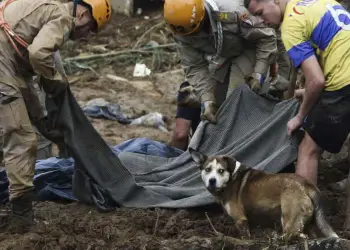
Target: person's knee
[(181, 133), (308, 147), (20, 149)]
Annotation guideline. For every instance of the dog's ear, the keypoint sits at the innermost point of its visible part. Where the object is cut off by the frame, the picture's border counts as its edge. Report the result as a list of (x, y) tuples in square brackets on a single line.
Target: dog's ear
[(231, 163), (197, 156)]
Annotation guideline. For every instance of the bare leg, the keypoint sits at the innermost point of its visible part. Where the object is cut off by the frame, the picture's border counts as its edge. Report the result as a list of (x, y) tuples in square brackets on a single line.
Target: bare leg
[(308, 156), (181, 133)]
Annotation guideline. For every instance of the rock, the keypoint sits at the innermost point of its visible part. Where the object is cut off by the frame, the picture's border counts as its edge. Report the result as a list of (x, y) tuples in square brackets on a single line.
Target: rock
[(338, 186), (334, 159), (99, 49), (116, 78)]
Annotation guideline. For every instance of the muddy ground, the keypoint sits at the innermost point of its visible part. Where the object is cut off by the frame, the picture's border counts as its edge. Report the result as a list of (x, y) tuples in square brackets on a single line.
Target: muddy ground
[(76, 226)]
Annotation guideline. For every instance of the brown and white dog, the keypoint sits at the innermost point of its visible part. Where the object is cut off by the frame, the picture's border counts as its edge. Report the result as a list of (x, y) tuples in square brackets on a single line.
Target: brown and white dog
[(245, 193)]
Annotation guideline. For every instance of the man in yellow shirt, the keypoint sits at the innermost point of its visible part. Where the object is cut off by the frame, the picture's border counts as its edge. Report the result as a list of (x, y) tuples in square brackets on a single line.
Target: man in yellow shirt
[(316, 35)]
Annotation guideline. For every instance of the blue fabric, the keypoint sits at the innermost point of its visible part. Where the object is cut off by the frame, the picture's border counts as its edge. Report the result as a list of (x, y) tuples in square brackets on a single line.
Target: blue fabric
[(53, 176), (109, 111), (299, 53), (327, 28)]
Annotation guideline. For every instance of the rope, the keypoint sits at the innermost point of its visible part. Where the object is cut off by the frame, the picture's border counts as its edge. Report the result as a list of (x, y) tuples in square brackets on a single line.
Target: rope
[(12, 36)]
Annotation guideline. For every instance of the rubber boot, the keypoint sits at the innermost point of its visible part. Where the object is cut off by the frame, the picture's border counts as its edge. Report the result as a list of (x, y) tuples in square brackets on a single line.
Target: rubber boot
[(22, 216)]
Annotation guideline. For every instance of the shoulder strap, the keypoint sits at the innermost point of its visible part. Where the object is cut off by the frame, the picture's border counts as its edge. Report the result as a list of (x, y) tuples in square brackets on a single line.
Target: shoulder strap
[(11, 35), (219, 37)]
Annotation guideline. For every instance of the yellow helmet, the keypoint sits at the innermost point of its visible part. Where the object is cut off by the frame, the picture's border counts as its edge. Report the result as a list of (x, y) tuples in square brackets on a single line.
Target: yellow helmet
[(101, 10), (184, 16)]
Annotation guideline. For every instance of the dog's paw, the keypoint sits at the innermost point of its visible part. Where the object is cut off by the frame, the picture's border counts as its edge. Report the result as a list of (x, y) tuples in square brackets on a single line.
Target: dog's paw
[(243, 228), (285, 237)]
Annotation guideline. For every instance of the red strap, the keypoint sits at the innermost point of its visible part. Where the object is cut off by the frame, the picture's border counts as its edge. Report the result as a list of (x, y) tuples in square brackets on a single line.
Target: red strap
[(273, 69), (9, 33)]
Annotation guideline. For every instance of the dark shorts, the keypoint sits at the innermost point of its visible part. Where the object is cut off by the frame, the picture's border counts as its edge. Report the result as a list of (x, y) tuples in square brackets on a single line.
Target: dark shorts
[(329, 121), (191, 114)]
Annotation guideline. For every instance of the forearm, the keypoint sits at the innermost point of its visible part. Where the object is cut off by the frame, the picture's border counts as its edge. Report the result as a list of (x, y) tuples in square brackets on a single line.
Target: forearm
[(196, 68), (49, 39), (311, 96), (314, 85), (201, 80), (264, 39), (265, 48)]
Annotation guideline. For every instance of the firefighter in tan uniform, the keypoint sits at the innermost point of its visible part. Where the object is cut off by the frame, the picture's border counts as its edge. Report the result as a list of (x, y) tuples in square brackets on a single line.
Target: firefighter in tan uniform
[(280, 83), (31, 31), (213, 35)]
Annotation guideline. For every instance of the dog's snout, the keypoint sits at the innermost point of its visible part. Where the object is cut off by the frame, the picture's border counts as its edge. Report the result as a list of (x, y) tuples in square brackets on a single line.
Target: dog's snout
[(212, 182)]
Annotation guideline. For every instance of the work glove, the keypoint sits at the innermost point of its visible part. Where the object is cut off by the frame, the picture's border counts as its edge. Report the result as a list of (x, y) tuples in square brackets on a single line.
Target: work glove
[(208, 111), (187, 96), (255, 81), (278, 84), (44, 127), (54, 87)]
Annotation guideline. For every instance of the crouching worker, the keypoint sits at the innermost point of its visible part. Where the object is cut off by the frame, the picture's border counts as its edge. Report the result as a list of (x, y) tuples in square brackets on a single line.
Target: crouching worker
[(30, 33), (213, 36)]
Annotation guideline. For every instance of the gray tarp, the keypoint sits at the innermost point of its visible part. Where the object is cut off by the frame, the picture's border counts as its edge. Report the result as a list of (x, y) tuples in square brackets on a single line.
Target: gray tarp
[(251, 128)]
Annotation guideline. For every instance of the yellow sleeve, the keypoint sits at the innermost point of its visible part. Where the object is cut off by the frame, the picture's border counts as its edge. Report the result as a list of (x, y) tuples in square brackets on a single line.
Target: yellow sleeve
[(296, 33)]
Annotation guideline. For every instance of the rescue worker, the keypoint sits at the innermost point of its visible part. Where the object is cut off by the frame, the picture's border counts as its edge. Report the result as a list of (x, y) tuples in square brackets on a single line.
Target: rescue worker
[(213, 35), (188, 118), (31, 32), (315, 34)]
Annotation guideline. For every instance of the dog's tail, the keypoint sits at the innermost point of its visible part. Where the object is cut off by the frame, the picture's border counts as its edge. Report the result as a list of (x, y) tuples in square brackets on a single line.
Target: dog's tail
[(319, 215)]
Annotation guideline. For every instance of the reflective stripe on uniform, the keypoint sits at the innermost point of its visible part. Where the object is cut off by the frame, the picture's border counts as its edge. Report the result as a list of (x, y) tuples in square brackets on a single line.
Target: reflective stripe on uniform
[(225, 17)]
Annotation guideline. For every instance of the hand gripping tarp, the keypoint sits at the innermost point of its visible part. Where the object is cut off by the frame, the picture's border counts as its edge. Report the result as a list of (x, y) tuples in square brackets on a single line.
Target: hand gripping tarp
[(250, 128)]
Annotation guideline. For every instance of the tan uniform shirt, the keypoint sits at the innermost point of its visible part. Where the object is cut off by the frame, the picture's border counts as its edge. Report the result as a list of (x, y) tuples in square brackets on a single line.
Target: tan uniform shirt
[(45, 25), (247, 33)]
